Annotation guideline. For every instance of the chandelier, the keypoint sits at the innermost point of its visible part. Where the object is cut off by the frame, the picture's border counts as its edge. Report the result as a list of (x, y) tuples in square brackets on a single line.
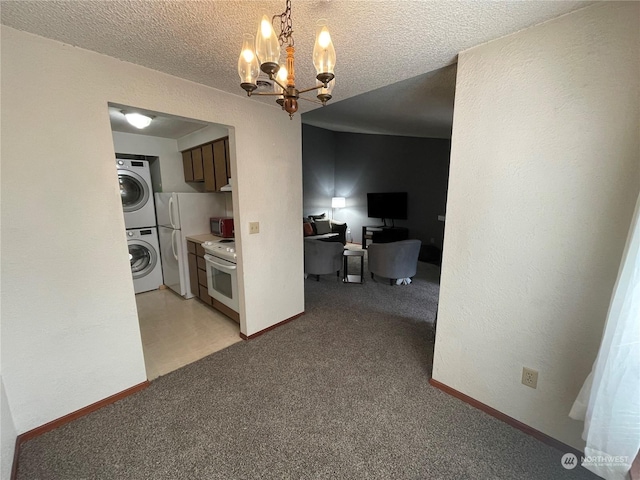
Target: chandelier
[(264, 55)]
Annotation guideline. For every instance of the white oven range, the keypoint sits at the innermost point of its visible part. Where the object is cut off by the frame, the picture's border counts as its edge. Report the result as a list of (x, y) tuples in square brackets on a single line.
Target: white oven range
[(222, 272)]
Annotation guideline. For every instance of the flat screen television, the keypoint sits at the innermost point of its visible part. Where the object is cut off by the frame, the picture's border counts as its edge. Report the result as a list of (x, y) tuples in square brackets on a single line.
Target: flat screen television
[(387, 206)]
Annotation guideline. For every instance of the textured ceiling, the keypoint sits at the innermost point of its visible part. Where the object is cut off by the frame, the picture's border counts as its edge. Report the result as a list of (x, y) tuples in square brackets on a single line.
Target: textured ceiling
[(377, 43), (165, 126), (420, 106)]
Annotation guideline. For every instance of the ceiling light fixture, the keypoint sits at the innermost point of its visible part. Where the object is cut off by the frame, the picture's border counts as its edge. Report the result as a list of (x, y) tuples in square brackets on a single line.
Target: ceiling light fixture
[(264, 55), (137, 119)]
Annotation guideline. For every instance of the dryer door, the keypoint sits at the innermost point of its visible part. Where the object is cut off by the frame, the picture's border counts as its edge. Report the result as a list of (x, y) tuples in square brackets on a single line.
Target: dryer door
[(134, 191), (143, 258)]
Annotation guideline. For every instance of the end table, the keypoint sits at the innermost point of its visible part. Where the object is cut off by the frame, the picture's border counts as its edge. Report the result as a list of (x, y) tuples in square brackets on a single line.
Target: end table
[(353, 278)]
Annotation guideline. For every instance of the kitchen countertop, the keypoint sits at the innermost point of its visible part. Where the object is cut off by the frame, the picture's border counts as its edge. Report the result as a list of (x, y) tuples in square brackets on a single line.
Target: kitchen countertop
[(205, 237)]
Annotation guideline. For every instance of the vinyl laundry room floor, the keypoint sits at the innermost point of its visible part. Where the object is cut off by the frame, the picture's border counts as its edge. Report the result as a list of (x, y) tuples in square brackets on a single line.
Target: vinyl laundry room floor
[(176, 332)]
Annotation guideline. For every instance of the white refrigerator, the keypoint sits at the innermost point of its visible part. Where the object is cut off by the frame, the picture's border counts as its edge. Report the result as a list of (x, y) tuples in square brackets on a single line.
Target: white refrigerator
[(180, 215)]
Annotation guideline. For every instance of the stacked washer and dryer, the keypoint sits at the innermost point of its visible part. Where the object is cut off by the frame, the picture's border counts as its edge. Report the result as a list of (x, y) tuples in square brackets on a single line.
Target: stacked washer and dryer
[(134, 178)]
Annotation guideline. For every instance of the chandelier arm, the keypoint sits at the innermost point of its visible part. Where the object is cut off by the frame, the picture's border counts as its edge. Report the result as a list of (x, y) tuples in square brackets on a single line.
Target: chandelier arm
[(266, 94), (279, 84), (311, 89)]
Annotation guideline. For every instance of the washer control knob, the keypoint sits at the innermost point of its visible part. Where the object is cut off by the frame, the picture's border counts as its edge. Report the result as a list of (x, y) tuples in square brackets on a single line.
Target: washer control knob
[(232, 250), (130, 234), (207, 244), (120, 162)]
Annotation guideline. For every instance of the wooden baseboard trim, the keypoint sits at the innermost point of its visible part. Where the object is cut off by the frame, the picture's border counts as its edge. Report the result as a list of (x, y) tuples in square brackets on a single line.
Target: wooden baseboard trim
[(249, 337), (58, 422), (543, 437)]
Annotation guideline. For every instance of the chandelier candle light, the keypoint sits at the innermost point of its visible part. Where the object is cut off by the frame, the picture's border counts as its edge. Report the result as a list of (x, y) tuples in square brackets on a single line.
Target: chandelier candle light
[(264, 55)]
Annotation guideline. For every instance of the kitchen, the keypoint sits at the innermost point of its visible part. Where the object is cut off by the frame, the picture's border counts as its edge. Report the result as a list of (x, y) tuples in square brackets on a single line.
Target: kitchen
[(187, 299)]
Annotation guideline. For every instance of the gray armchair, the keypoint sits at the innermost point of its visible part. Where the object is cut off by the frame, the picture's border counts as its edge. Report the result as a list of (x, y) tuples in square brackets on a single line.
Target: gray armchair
[(395, 260), (322, 257)]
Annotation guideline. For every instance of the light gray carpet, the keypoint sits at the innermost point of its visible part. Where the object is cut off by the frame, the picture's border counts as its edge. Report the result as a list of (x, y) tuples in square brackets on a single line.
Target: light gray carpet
[(339, 393)]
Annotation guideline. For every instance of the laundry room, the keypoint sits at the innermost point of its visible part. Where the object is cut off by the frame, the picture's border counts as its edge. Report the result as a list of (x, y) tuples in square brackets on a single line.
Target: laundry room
[(175, 182)]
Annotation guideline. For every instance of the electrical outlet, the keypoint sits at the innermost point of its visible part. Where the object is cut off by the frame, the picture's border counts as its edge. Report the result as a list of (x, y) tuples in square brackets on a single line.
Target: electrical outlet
[(529, 377), (254, 227)]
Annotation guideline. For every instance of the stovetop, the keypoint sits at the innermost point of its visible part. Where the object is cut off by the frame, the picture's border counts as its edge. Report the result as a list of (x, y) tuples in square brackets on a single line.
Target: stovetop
[(225, 249)]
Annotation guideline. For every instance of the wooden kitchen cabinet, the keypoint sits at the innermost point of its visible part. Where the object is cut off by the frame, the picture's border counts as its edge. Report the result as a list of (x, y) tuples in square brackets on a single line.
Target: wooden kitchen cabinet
[(198, 280), (193, 268), (209, 163), (226, 152), (209, 169), (220, 164), (193, 274), (196, 160), (187, 165), (198, 272)]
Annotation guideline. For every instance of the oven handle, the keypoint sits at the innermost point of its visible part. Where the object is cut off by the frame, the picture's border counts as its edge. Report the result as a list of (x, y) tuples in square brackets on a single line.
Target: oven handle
[(220, 266)]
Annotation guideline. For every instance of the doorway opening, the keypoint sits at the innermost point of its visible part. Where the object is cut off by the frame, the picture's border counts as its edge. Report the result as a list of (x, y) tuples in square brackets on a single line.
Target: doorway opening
[(382, 158), (174, 176)]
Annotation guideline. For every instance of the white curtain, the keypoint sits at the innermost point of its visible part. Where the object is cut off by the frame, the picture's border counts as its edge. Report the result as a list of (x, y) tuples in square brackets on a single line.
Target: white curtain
[(609, 402)]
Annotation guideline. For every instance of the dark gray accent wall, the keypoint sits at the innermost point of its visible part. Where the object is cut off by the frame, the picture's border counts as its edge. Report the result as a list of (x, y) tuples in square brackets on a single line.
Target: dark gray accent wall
[(377, 163), (318, 169)]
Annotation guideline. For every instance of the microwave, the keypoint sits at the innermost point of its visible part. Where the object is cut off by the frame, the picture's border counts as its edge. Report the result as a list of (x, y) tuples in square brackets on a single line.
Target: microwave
[(222, 226)]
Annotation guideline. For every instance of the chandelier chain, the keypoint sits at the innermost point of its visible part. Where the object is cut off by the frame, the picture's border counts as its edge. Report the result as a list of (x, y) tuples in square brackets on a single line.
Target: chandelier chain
[(286, 26)]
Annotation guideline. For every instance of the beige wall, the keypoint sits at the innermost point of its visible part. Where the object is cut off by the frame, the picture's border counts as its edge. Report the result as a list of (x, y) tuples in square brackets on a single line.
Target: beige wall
[(545, 170), (70, 332), (205, 135), (169, 158)]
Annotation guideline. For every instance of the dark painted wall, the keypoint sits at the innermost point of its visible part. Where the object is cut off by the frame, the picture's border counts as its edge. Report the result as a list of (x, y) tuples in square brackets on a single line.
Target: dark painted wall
[(379, 163), (318, 174)]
